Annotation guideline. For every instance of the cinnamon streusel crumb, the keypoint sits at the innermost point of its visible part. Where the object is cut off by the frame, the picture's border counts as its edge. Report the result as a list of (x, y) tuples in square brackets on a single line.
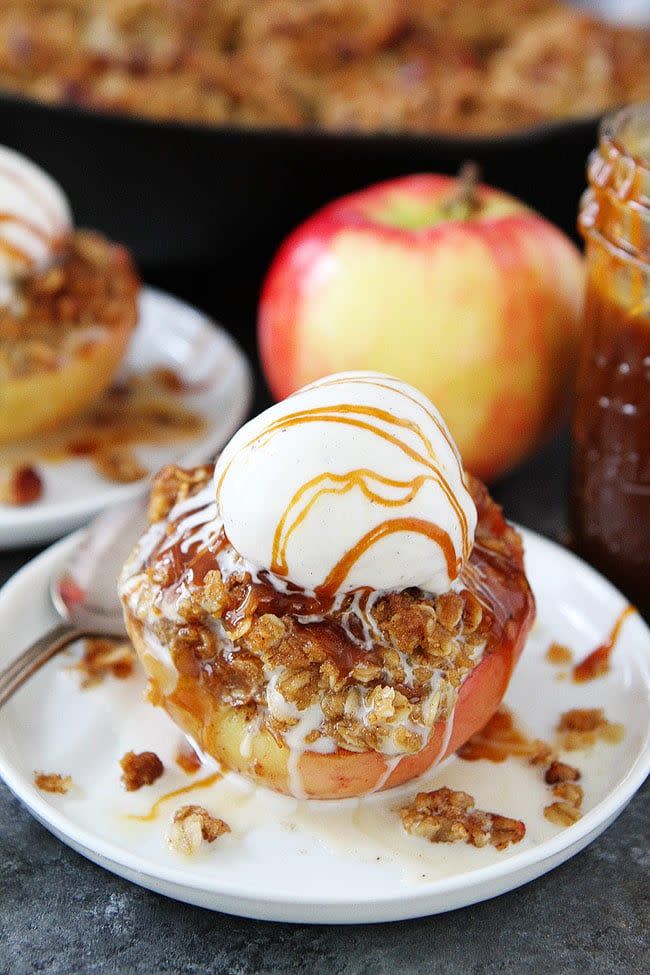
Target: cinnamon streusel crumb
[(569, 792), (544, 755), (191, 826), (577, 741), (566, 810), (140, 768), (581, 719), (53, 782), (448, 816), (173, 484)]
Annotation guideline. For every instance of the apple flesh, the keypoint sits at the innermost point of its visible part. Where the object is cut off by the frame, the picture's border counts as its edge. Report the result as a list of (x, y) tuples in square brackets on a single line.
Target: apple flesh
[(32, 405), (475, 301)]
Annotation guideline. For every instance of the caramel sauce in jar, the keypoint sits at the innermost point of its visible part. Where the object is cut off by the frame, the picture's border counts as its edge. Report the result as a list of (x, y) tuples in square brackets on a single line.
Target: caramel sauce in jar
[(610, 464)]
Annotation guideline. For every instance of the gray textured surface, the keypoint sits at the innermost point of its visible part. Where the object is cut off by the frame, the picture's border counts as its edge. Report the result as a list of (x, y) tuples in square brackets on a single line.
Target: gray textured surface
[(62, 915)]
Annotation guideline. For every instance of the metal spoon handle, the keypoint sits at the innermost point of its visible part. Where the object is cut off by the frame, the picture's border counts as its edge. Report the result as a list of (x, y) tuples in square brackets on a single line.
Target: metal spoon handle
[(31, 659)]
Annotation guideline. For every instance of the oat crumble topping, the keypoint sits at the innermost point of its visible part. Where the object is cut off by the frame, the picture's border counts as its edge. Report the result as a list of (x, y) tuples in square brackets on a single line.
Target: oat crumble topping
[(62, 311), (580, 728), (173, 485), (566, 810), (140, 768), (53, 782), (577, 729), (191, 826), (119, 465), (558, 654), (448, 816), (560, 772), (501, 738)]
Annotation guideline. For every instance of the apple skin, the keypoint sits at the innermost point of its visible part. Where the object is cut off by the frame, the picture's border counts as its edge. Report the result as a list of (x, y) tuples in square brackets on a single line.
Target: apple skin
[(483, 313)]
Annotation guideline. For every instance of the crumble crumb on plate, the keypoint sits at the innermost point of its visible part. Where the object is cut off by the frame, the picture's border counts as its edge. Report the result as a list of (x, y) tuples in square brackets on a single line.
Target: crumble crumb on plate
[(53, 782), (140, 768), (448, 816), (191, 826)]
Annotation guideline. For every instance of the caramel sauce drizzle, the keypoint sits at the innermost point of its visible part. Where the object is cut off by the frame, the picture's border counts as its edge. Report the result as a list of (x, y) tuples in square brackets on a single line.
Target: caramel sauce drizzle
[(343, 484), (355, 415), (7, 217), (367, 381), (31, 190), (12, 250), (155, 809), (418, 525), (596, 663)]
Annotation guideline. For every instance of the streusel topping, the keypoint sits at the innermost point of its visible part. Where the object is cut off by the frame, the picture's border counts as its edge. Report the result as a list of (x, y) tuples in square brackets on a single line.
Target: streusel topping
[(346, 65), (62, 311)]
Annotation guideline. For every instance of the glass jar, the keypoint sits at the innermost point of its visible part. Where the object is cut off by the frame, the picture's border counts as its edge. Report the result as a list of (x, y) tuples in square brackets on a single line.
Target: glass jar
[(610, 464)]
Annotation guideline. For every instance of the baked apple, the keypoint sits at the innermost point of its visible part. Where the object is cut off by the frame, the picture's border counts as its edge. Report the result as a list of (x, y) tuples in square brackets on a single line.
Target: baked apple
[(337, 606), (68, 305)]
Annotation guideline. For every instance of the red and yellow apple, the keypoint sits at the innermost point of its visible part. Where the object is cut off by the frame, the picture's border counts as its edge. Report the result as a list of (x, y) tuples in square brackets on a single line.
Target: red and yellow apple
[(468, 295)]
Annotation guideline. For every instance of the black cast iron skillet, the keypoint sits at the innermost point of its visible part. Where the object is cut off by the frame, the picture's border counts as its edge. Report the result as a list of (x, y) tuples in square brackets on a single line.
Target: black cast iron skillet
[(182, 195)]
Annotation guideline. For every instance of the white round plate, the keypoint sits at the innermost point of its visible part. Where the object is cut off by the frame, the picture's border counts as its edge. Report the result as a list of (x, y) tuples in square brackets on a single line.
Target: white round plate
[(333, 862), (172, 334)]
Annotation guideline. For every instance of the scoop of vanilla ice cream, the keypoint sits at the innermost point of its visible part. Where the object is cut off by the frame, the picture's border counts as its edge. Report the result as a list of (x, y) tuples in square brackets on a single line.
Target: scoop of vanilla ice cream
[(352, 482), (34, 216)]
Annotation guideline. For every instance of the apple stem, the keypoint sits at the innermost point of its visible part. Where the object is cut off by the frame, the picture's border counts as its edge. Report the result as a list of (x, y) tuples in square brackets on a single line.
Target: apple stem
[(468, 178), (464, 201)]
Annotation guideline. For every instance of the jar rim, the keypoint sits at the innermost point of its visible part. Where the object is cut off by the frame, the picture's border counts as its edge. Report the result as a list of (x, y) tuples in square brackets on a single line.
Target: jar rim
[(629, 130)]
